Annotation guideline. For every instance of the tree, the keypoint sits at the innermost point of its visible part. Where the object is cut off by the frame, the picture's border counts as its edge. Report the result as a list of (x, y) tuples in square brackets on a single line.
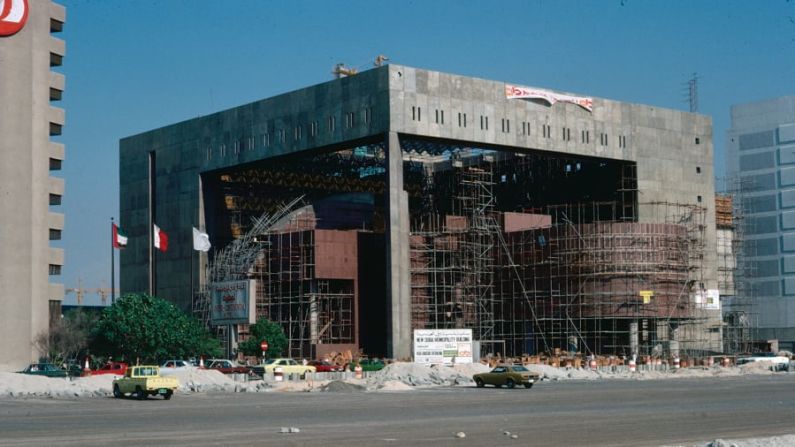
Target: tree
[(264, 330), (67, 338), (148, 328)]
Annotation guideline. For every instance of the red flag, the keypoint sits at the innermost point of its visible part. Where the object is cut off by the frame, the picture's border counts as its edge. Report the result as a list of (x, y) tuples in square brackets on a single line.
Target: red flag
[(161, 239)]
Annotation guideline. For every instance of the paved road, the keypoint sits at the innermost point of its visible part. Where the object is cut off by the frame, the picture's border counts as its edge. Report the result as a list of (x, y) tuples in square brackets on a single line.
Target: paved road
[(605, 413)]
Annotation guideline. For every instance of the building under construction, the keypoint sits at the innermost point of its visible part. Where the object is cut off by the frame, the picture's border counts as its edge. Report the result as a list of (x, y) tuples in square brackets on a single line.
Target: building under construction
[(401, 199)]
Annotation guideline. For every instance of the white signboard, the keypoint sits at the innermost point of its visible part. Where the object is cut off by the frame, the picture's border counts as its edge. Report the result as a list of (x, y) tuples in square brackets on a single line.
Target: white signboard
[(443, 346), (516, 92), (231, 302), (707, 299)]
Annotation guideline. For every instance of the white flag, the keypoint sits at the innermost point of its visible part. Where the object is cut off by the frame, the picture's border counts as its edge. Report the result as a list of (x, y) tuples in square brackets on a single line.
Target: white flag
[(201, 241)]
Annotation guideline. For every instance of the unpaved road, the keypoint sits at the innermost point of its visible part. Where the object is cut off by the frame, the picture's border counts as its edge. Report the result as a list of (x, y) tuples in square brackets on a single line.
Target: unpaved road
[(599, 413)]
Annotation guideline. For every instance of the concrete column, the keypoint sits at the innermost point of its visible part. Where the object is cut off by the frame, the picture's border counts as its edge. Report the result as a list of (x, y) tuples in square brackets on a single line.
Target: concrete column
[(673, 343), (633, 339), (398, 280)]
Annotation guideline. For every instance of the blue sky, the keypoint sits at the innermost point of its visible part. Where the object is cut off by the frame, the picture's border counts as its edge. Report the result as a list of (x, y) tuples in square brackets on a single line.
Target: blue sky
[(135, 65)]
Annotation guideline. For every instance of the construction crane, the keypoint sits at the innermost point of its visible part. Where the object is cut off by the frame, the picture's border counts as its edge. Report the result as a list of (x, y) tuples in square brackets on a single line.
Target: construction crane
[(81, 292)]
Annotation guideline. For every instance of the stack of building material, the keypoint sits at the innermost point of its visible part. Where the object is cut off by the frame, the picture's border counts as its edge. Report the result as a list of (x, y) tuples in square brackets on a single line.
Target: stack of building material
[(723, 211)]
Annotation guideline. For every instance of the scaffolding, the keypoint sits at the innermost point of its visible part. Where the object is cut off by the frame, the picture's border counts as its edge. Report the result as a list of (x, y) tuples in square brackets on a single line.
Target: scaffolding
[(735, 269), (312, 311), (594, 281)]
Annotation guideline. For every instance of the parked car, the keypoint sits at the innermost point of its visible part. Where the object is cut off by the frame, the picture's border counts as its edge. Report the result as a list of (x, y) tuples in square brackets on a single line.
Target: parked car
[(142, 381), (172, 366), (508, 375), (288, 366), (226, 366), (779, 363), (324, 366), (368, 365), (44, 369), (115, 368)]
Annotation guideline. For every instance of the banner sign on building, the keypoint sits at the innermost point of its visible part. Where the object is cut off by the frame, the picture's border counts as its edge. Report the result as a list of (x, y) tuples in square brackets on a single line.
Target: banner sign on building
[(516, 92), (232, 302), (707, 299), (442, 346)]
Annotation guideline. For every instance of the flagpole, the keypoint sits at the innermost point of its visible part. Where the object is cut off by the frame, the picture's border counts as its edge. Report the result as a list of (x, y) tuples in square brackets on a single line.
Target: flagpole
[(112, 266)]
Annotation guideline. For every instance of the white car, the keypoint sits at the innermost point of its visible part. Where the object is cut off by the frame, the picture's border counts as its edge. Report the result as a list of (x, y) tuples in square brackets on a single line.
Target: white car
[(779, 363), (172, 366)]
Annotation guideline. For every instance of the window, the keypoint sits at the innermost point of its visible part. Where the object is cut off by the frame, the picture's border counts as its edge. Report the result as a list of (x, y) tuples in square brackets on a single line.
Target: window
[(585, 136), (566, 134), (223, 150), (332, 124), (622, 141), (282, 136), (251, 142), (603, 139), (484, 122), (439, 116), (462, 120), (55, 164), (55, 199), (313, 128), (416, 113), (55, 235), (236, 146), (209, 152), (698, 169), (55, 269), (699, 199), (698, 141), (368, 115), (350, 120), (266, 140), (546, 130), (506, 125)]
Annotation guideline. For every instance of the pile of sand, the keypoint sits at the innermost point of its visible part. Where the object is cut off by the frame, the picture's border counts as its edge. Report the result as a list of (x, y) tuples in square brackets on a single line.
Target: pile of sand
[(415, 374)]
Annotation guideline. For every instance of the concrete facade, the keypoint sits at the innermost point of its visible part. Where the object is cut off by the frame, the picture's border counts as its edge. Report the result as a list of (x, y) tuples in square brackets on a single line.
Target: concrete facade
[(672, 151), (761, 153), (27, 189)]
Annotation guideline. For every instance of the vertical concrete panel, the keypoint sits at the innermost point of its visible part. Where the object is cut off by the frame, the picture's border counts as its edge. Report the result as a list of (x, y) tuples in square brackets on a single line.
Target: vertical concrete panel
[(398, 281)]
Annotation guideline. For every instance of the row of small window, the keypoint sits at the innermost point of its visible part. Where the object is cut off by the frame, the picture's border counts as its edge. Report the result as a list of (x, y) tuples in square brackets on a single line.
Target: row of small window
[(266, 139), (546, 130)]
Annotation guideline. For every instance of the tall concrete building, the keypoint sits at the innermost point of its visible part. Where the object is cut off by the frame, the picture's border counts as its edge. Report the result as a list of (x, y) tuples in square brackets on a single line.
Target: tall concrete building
[(457, 190), (28, 190), (761, 154)]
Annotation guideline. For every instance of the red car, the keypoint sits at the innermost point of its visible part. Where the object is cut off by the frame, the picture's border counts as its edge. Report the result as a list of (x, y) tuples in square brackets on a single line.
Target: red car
[(115, 368), (324, 366), (226, 366)]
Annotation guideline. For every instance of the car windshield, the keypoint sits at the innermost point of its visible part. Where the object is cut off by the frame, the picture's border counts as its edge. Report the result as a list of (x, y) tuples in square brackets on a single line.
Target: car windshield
[(268, 362)]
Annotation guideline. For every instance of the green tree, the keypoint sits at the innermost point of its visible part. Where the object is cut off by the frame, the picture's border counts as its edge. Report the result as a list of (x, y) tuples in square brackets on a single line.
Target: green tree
[(148, 328), (268, 331)]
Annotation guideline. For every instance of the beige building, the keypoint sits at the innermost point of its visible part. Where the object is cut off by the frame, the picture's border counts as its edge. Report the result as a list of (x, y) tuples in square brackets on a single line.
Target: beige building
[(29, 191)]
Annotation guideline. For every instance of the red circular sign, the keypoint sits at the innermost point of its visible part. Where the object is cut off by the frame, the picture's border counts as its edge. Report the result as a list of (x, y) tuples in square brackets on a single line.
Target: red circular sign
[(13, 15), (264, 345)]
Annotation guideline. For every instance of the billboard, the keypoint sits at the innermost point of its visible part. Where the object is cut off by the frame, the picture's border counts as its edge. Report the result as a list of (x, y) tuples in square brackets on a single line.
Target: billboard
[(516, 92), (232, 302), (442, 346)]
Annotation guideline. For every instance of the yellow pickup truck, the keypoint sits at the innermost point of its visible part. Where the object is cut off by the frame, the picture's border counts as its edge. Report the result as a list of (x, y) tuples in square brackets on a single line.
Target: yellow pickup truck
[(141, 381)]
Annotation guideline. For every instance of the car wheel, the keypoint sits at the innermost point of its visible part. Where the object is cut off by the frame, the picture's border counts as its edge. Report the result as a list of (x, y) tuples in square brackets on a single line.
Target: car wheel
[(168, 395), (117, 392), (528, 385), (479, 383), (510, 383), (140, 394)]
